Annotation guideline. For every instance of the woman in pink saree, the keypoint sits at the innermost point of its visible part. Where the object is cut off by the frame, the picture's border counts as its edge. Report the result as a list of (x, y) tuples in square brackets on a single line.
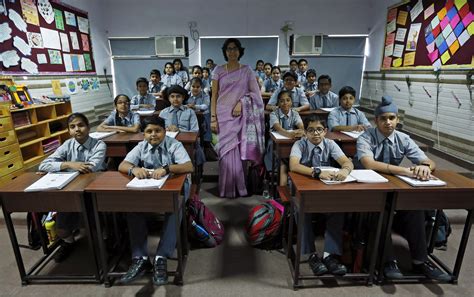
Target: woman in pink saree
[(237, 116)]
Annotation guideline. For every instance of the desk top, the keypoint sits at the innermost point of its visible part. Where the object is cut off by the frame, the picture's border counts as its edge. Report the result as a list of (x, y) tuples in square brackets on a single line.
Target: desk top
[(184, 137), (114, 181), (26, 179), (455, 182), (336, 136), (306, 112)]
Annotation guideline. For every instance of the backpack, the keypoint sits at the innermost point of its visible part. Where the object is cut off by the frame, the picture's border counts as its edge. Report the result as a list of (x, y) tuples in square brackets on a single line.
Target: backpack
[(204, 228), (255, 180), (34, 228), (264, 226), (444, 228)]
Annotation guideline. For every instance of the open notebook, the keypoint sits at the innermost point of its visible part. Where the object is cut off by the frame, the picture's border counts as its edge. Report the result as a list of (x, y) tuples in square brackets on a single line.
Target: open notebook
[(353, 134), (279, 136), (145, 112), (172, 134), (52, 181), (147, 183), (100, 135), (434, 182), (358, 175)]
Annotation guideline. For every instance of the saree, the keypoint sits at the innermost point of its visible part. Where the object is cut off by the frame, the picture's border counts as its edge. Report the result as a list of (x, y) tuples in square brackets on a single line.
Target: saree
[(240, 138)]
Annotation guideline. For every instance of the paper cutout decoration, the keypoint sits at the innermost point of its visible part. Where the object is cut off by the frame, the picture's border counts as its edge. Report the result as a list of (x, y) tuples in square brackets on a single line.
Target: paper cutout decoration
[(35, 40), (71, 85), (397, 62), (412, 39), (29, 12), (387, 62), (22, 46), (9, 58), (55, 57), (416, 10), (85, 43), (56, 86), (50, 38), (58, 19), (2, 7), (17, 20), (5, 32), (29, 66), (46, 10), (64, 42), (409, 59), (85, 85), (70, 19), (445, 57), (83, 24), (95, 84), (41, 58), (74, 40)]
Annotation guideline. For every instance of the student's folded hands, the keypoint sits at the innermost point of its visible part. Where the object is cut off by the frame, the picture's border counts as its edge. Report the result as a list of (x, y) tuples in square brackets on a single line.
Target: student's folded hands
[(421, 172), (82, 167)]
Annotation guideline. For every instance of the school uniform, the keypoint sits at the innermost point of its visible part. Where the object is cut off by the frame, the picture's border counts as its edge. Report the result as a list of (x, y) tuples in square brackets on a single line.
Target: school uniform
[(130, 120), (310, 87), (206, 87), (168, 152), (287, 122), (323, 154), (328, 100), (271, 85), (260, 73), (202, 103), (155, 88), (341, 117), (297, 96), (391, 150), (92, 151), (169, 80), (184, 75), (301, 77), (139, 99)]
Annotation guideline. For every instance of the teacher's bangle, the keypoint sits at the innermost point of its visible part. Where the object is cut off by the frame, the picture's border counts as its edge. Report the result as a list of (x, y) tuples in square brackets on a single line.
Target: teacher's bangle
[(213, 116)]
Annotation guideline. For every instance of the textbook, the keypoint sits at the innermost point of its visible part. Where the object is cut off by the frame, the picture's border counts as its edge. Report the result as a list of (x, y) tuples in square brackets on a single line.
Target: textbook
[(172, 134), (101, 135), (147, 183), (145, 112), (433, 182), (279, 136), (353, 134), (52, 181), (328, 109), (359, 175)]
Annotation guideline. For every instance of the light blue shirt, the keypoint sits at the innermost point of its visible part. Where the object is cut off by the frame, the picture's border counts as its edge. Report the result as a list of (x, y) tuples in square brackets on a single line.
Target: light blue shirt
[(187, 120), (92, 151), (272, 86), (328, 150), (201, 101), (260, 73), (206, 87), (130, 120), (338, 117), (174, 79), (152, 88), (297, 95), (301, 77), (139, 99), (370, 144), (317, 100), (292, 119), (310, 87), (184, 75)]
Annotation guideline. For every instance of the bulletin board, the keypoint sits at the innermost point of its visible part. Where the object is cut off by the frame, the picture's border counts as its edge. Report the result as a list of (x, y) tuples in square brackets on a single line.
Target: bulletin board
[(44, 37), (429, 34)]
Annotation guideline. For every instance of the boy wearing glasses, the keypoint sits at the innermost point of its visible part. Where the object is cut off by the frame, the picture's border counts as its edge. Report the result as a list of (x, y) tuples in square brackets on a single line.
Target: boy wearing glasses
[(300, 102), (382, 149), (307, 157)]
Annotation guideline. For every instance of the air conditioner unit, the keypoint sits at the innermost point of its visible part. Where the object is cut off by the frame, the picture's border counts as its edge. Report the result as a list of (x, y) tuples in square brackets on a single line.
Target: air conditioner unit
[(306, 45), (171, 46)]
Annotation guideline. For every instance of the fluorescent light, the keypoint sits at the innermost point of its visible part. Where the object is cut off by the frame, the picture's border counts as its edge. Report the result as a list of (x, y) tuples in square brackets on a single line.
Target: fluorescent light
[(348, 35), (215, 37)]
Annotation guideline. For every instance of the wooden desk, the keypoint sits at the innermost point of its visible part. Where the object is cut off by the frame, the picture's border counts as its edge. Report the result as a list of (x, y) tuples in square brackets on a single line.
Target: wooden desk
[(69, 199), (457, 194), (313, 196), (110, 194), (303, 114)]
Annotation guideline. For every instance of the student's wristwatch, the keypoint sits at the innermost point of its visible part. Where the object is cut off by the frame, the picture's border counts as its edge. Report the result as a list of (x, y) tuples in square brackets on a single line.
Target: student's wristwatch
[(316, 172), (167, 168), (427, 164), (130, 170)]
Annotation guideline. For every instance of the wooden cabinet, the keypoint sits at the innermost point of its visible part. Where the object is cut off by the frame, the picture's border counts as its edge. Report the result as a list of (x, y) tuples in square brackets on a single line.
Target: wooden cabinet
[(40, 129), (10, 155)]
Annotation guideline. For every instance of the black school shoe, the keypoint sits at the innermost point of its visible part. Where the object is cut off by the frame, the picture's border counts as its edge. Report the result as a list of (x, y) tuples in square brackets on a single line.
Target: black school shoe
[(391, 270), (138, 267), (65, 249), (334, 266), (430, 271), (160, 272), (316, 265)]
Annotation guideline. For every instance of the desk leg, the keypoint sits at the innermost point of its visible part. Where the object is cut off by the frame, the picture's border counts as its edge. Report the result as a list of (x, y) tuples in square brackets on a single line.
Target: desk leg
[(463, 244), (100, 240), (93, 249), (298, 244), (16, 248), (373, 257), (274, 179), (178, 279), (389, 214)]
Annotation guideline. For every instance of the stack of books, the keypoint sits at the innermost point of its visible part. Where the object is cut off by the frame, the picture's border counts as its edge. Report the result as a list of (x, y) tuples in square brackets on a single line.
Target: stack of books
[(21, 119), (50, 145)]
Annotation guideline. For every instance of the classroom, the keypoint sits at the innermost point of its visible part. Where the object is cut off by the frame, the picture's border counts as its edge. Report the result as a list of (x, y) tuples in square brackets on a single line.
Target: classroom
[(237, 148)]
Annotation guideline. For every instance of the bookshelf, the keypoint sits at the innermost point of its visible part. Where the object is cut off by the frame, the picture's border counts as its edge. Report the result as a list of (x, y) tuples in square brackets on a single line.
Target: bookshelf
[(40, 129), (11, 162)]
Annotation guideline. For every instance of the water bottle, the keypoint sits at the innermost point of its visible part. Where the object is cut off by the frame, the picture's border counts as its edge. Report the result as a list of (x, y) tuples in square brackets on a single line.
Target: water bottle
[(266, 192), (50, 227), (201, 233)]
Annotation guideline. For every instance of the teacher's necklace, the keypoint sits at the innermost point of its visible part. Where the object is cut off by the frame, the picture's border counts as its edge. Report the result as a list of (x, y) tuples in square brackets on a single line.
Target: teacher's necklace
[(227, 69)]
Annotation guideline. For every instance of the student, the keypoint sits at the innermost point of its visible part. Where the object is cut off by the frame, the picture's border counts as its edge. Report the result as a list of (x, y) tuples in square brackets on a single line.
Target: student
[(286, 122), (155, 85), (79, 153), (302, 67), (259, 69), (170, 77), (345, 117), (121, 119), (300, 102), (180, 70), (324, 98), (197, 72), (294, 67), (210, 65), (307, 157), (143, 100), (273, 84), (267, 69), (178, 117), (310, 86), (382, 149), (154, 157), (206, 76), (200, 101)]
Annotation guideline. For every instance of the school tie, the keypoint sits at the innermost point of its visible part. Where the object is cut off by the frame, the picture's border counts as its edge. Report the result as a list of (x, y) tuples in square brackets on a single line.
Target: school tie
[(169, 81), (348, 118), (316, 161), (325, 101), (284, 123), (142, 100), (81, 156), (386, 151), (174, 117)]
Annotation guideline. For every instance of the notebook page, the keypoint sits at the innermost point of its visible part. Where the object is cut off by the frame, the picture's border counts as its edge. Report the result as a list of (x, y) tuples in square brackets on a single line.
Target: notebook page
[(52, 180)]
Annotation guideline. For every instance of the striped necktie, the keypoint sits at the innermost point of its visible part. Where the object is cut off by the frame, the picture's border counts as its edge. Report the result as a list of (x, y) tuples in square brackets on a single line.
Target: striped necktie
[(174, 117), (316, 159)]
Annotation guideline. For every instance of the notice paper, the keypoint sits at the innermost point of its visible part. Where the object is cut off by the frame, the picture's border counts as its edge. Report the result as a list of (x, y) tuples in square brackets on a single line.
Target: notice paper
[(29, 12), (46, 10), (41, 58), (416, 10), (409, 59), (387, 62), (64, 42), (83, 24), (70, 18), (50, 38), (35, 40), (68, 62), (398, 50), (391, 27), (74, 40), (401, 33), (388, 50), (429, 11), (402, 18)]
